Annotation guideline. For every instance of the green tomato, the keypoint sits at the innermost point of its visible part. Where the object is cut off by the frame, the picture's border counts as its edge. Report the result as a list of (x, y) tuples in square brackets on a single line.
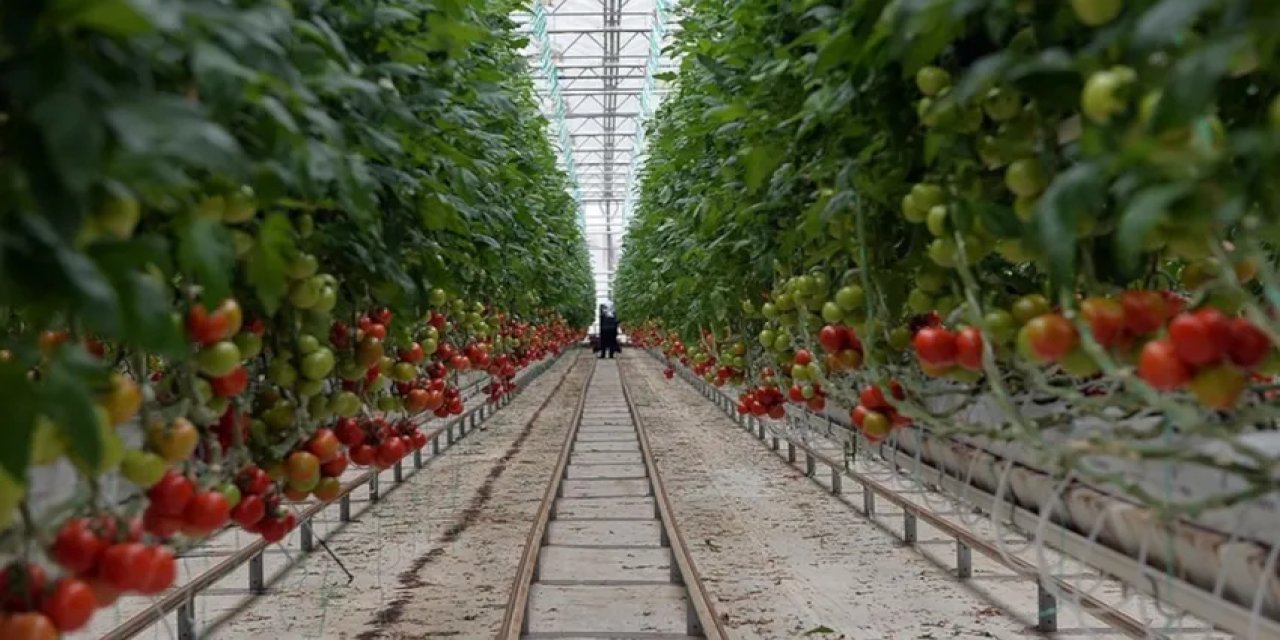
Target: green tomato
[(327, 301), (304, 294), (308, 343), (306, 225), (931, 281), (309, 388), (832, 313), (142, 468), (281, 373), (899, 338), (1012, 249), (932, 80), (1030, 306), (249, 344), (1096, 13), (231, 492), (388, 403), (211, 207), (850, 297), (937, 221), (782, 342), (943, 252), (117, 216), (219, 359), (1101, 97), (946, 304), (404, 371), (799, 372), (430, 346), (1079, 363), (1000, 325), (318, 407), (1002, 104), (769, 310), (1273, 113), (785, 302), (912, 211), (304, 265), (928, 196), (1025, 207), (438, 298), (766, 338), (919, 302), (1025, 177)]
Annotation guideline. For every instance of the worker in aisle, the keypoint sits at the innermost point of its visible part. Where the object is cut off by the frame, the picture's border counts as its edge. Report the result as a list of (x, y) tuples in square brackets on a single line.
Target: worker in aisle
[(608, 331)]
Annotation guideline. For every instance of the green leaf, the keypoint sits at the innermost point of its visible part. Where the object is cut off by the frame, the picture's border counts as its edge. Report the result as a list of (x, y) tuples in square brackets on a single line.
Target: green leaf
[(71, 406), (1080, 190), (760, 162), (205, 252), (168, 127), (1168, 21), (1146, 210), (266, 261), (123, 18), (22, 402)]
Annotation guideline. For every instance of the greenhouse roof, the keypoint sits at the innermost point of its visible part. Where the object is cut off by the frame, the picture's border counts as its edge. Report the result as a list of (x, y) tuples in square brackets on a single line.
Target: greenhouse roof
[(595, 64)]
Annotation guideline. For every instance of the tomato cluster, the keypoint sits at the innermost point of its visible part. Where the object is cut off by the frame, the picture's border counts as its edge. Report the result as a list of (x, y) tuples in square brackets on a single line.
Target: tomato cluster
[(874, 415), (102, 557), (1208, 353)]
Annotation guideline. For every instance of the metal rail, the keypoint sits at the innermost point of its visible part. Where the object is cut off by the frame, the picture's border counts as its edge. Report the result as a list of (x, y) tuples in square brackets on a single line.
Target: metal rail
[(182, 598), (965, 540), (712, 624), (515, 619)]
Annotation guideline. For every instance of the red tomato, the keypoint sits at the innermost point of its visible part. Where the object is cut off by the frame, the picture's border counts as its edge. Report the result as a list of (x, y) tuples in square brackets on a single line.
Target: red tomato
[(1201, 337), (250, 510), (104, 594), (302, 466), (969, 348), (273, 529), (349, 432), (253, 480), (1105, 318), (376, 330), (1160, 366), (207, 511), (858, 414), (391, 450), (777, 412), (1144, 311), (77, 548), (363, 454), (417, 439), (231, 384), (817, 403), (803, 357), (935, 346), (1249, 345), (171, 495), (323, 444), (335, 467), (1052, 336), (121, 564), (161, 568), (21, 585), (27, 626), (413, 354), (161, 525), (832, 338)]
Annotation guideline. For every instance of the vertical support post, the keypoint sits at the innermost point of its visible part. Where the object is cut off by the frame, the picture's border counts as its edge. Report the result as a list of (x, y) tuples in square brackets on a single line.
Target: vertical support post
[(908, 527), (1047, 618), (305, 537), (257, 584), (760, 429), (810, 465), (344, 508), (435, 445), (373, 487), (187, 619), (837, 482), (449, 432), (776, 444), (397, 471), (791, 452), (964, 561), (417, 458), (868, 500)]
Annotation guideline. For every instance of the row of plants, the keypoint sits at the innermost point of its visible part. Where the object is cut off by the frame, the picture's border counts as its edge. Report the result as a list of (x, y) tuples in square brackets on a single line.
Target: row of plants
[(991, 218), (245, 245)]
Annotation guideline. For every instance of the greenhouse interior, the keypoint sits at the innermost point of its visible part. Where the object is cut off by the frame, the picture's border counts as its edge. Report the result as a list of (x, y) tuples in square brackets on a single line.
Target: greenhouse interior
[(640, 319)]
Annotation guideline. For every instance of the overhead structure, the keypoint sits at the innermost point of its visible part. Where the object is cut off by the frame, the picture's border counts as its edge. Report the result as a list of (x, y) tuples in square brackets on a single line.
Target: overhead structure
[(596, 65)]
